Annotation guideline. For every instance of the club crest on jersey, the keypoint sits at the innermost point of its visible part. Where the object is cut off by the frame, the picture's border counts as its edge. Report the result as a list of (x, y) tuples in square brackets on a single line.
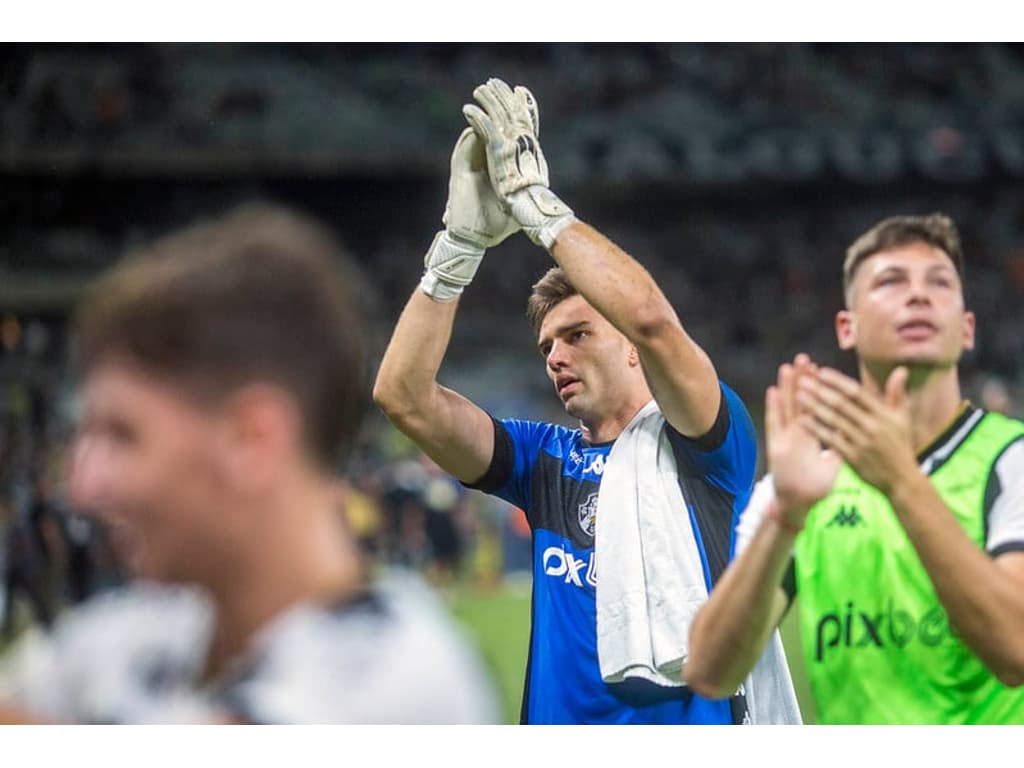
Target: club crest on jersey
[(588, 514)]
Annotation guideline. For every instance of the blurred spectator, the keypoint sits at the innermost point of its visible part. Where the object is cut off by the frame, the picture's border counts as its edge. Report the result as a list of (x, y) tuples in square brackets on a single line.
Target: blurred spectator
[(208, 441)]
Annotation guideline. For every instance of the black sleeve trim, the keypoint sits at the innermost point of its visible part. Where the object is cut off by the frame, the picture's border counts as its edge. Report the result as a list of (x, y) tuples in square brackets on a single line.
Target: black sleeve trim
[(715, 436), (789, 580), (502, 461), (1008, 546)]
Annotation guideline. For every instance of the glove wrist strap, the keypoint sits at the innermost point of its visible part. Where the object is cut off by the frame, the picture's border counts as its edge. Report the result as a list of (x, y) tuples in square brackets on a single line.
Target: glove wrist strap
[(450, 264), (541, 213)]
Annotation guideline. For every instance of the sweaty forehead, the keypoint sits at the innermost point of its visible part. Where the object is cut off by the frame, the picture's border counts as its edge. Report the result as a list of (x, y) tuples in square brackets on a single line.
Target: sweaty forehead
[(566, 314), (912, 255)]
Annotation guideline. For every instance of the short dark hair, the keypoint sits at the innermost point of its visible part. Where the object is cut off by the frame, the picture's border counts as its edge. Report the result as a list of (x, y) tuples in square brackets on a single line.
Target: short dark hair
[(934, 229), (262, 293), (553, 287)]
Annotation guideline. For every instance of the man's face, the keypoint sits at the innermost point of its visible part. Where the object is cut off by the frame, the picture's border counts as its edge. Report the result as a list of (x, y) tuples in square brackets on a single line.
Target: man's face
[(906, 306), (586, 358), (146, 462)]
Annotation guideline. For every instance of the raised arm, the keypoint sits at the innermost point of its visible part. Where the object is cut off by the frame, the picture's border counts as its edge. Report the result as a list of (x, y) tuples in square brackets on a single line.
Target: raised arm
[(449, 428), (730, 631), (680, 374)]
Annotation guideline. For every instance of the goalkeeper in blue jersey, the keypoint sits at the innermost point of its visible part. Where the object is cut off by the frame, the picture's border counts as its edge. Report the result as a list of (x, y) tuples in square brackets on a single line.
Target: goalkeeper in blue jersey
[(618, 357)]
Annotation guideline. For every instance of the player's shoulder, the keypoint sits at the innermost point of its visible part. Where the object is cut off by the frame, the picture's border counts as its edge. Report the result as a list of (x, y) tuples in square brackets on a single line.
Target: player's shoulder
[(551, 437), (140, 605), (984, 433), (396, 605), (1003, 423), (137, 618), (397, 641)]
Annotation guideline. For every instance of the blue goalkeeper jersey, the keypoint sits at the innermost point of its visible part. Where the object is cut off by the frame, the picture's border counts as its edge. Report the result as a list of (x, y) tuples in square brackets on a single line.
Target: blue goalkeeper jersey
[(553, 474)]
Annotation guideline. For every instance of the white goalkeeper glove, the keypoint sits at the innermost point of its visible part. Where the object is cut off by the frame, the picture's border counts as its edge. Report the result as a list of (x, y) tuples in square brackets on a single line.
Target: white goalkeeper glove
[(475, 219), (509, 124)]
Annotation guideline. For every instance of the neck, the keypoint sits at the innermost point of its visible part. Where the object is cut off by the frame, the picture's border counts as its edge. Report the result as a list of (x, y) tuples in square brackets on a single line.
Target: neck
[(933, 395), (302, 553), (606, 429)]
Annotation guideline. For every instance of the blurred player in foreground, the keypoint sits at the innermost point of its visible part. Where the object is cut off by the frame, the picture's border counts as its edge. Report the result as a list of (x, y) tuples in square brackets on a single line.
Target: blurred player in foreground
[(222, 384), (907, 532)]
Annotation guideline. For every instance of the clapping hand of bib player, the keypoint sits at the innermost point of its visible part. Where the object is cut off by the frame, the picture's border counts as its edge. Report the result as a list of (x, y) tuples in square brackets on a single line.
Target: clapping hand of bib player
[(801, 471), (870, 431)]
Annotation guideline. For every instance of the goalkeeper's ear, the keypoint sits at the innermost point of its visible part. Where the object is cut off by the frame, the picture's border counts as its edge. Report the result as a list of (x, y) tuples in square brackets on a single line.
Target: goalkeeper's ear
[(525, 98)]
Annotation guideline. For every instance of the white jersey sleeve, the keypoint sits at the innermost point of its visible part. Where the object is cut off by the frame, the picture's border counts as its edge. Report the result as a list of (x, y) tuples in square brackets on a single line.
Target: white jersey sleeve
[(750, 519), (1006, 511)]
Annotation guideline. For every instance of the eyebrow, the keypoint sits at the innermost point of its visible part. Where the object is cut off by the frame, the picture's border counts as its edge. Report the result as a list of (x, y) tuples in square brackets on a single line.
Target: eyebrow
[(562, 331), (930, 269)]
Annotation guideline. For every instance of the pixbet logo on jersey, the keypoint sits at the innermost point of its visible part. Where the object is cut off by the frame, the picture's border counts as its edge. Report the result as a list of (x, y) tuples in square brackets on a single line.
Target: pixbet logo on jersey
[(559, 562), (855, 628)]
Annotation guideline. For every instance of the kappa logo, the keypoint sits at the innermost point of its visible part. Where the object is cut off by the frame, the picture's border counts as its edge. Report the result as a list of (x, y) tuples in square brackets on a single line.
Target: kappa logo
[(846, 517), (596, 465), (587, 514)]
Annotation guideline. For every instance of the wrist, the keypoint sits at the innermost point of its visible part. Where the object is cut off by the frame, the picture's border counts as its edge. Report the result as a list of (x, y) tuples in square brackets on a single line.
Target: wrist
[(785, 518), (541, 213), (450, 265), (909, 487)]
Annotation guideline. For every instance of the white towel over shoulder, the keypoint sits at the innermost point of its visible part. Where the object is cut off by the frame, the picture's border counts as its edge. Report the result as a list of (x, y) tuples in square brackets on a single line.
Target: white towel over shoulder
[(650, 576)]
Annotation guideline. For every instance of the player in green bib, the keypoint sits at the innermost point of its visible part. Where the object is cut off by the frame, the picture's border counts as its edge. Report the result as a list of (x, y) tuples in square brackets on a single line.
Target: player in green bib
[(894, 508)]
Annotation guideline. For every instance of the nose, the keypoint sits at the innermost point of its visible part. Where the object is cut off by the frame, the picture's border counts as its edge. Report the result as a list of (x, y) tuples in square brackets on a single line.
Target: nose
[(556, 359), (919, 293)]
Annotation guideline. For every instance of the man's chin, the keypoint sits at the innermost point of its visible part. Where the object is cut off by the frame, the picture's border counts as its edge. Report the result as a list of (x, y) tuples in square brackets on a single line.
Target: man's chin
[(923, 361), (921, 367), (572, 407), (136, 564)]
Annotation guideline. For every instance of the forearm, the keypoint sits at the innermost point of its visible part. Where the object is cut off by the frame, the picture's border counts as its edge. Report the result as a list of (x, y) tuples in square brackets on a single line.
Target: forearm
[(984, 602), (450, 429), (407, 378), (617, 285), (682, 377), (730, 631)]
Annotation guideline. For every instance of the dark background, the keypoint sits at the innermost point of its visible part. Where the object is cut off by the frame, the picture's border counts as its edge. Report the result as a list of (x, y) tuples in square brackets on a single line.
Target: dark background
[(736, 173)]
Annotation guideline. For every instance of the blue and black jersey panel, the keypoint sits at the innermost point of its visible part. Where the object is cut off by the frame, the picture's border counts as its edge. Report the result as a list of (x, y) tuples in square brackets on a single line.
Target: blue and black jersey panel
[(554, 476)]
